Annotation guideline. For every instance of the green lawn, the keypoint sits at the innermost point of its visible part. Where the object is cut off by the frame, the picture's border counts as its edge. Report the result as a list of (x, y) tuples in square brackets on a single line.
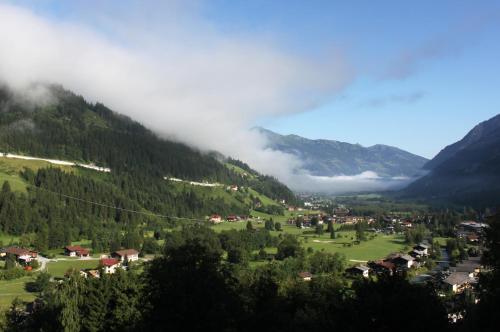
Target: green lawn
[(16, 183), (7, 239), (10, 289), (58, 269), (378, 248), (441, 240)]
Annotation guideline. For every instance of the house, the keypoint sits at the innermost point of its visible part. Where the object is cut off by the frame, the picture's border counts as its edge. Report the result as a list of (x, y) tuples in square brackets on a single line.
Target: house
[(472, 238), (457, 281), (232, 218), (359, 270), (404, 261), (109, 265), (385, 267), (233, 187), (21, 255), (472, 267), (215, 219), (407, 224), (306, 276), (424, 248), (417, 253), (126, 255), (76, 251)]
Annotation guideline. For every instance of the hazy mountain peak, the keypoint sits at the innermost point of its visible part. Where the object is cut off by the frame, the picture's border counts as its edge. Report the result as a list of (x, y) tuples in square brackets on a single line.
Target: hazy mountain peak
[(324, 157)]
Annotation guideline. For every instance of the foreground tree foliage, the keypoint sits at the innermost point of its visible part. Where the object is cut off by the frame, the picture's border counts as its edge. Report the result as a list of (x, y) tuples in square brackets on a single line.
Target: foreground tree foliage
[(190, 287), (485, 316)]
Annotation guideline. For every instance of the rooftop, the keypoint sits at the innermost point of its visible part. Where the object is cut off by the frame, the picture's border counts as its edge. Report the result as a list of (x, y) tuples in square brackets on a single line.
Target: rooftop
[(457, 278)]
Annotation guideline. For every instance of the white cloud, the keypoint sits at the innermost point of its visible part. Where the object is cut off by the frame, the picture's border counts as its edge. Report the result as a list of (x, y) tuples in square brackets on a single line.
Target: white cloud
[(365, 181), (183, 79)]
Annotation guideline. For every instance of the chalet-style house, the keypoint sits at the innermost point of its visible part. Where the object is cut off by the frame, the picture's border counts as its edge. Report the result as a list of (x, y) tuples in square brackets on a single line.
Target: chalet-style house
[(423, 248), (359, 271), (404, 261), (306, 276), (76, 251), (109, 265), (22, 256), (126, 255), (232, 218), (383, 267), (457, 282), (215, 219), (471, 266)]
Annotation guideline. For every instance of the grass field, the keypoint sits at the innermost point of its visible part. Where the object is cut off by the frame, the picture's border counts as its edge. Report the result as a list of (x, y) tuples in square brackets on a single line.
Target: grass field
[(7, 239), (379, 247), (58, 269), (10, 289)]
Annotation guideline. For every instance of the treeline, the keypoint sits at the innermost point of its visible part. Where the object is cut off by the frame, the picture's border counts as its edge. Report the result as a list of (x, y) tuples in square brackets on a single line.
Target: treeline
[(190, 287), (61, 207)]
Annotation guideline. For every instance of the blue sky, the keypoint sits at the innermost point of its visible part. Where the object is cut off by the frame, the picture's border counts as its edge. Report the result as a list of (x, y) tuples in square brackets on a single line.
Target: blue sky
[(423, 72), (453, 88)]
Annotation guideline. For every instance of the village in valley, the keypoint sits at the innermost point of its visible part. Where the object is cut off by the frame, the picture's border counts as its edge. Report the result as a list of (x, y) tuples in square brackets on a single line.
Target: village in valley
[(450, 263), (412, 244)]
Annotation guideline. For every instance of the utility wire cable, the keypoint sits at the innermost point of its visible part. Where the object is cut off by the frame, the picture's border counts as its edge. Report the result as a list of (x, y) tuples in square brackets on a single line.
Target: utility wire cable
[(115, 207)]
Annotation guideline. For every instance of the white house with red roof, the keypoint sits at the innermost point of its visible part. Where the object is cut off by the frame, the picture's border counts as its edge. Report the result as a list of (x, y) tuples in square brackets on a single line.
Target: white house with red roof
[(109, 265), (126, 255), (76, 251), (215, 219), (22, 255)]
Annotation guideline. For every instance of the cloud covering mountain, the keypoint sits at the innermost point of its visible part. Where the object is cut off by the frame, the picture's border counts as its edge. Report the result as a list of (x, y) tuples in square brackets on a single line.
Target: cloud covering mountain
[(180, 77)]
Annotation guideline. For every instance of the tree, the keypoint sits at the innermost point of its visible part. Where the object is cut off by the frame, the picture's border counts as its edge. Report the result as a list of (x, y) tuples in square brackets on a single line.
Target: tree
[(194, 269), (277, 226), (41, 283), (319, 229), (332, 232), (42, 238), (249, 226), (360, 232), (269, 225), (485, 316), (238, 255), (289, 247), (10, 262)]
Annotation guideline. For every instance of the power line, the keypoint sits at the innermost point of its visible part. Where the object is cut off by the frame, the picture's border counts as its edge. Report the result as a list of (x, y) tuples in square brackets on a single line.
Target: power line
[(116, 207)]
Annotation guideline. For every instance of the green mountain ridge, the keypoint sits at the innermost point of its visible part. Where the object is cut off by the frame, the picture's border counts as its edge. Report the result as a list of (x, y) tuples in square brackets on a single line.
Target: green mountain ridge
[(56, 200)]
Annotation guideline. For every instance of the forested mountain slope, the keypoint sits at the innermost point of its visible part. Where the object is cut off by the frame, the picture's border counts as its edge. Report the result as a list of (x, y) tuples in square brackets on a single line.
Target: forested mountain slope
[(70, 128), (62, 204), (466, 172)]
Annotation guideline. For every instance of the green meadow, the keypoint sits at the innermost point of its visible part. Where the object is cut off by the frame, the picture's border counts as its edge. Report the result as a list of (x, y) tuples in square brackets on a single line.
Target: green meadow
[(379, 247)]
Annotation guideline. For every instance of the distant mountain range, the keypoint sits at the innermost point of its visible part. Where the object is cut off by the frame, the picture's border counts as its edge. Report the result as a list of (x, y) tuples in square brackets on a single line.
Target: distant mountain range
[(330, 158), (466, 172)]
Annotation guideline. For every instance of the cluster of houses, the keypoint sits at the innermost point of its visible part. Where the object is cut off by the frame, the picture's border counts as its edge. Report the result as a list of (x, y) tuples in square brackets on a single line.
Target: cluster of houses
[(394, 263), (463, 276), (108, 264), (21, 255), (471, 231), (120, 259), (217, 219)]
